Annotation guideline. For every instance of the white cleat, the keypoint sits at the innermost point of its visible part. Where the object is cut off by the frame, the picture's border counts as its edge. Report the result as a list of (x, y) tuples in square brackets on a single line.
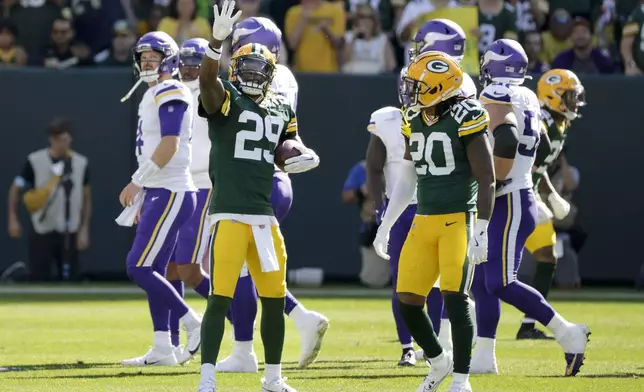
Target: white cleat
[(311, 332), (178, 352), (574, 343), (460, 387), (207, 385), (483, 362), (438, 372), (278, 385), (238, 362), (193, 342), (420, 354), (155, 357)]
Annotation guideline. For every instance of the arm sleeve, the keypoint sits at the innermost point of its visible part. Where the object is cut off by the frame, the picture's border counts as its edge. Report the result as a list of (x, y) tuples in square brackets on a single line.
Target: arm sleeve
[(170, 117), (474, 121), (506, 141), (632, 25), (402, 194), (544, 149), (291, 131), (225, 110)]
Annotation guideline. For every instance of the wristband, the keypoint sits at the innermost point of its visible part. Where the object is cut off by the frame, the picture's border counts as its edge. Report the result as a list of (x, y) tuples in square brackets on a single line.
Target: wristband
[(146, 171), (213, 53)]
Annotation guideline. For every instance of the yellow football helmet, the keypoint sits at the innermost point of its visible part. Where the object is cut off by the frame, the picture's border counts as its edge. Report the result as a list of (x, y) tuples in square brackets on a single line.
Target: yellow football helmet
[(561, 91), (432, 77), (252, 68)]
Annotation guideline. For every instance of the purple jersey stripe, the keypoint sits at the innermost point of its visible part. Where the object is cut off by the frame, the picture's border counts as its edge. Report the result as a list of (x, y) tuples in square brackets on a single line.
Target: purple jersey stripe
[(499, 98), (163, 90)]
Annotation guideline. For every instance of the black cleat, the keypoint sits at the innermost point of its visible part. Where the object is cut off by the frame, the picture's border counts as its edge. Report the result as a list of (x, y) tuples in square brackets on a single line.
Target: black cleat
[(408, 358), (529, 332)]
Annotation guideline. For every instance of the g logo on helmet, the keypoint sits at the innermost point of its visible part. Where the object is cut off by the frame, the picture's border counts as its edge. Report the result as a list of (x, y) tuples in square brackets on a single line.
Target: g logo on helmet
[(437, 66), (553, 79)]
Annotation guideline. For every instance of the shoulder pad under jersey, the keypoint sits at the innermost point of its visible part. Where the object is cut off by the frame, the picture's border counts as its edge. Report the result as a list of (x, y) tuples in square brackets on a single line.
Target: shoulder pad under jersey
[(470, 116), (171, 90), (385, 120), (468, 88), (546, 117), (284, 84), (497, 93)]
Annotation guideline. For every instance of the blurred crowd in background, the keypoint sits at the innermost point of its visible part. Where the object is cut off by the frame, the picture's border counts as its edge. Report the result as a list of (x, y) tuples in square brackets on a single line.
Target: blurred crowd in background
[(351, 36)]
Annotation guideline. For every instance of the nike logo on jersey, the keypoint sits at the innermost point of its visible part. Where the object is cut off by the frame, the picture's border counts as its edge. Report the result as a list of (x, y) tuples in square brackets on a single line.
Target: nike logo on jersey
[(449, 223), (154, 198)]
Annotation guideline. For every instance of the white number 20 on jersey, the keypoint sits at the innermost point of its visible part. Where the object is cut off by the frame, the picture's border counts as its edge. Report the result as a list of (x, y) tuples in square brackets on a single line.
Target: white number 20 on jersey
[(270, 128), (425, 150)]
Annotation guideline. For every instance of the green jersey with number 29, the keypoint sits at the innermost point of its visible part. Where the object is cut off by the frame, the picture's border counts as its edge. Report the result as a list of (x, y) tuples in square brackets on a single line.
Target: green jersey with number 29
[(244, 135), (445, 182)]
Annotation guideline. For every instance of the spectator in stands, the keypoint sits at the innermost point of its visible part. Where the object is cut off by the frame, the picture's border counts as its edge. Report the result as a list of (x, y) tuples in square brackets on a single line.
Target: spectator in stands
[(33, 23), (120, 54), (315, 32), (55, 186), (389, 11), (583, 58), (249, 8), (182, 22), (10, 53), (497, 20), (152, 20), (632, 48), (532, 45), (531, 15), (555, 40), (375, 271), (367, 49), (94, 20), (64, 51)]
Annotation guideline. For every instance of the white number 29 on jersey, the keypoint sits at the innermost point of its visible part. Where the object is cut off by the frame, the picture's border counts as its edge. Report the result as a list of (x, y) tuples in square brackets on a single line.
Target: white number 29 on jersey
[(270, 128), (425, 150)]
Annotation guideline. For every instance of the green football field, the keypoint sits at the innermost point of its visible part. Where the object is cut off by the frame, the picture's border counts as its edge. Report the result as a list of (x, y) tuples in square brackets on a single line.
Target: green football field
[(74, 342)]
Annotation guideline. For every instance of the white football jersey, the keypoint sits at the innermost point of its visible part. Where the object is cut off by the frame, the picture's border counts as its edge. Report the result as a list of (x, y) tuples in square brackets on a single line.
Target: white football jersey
[(386, 123), (468, 88), (200, 147), (175, 176), (284, 84), (526, 108)]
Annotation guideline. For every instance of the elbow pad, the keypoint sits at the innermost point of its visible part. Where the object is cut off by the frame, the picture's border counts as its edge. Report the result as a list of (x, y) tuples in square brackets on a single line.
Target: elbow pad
[(506, 141), (543, 150)]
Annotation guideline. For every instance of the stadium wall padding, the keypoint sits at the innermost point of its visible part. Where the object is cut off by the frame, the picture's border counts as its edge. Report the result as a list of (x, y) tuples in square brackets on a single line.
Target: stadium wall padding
[(607, 145)]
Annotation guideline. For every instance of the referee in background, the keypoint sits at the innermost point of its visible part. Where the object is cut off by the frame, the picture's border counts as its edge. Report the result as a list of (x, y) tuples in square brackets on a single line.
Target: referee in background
[(54, 185)]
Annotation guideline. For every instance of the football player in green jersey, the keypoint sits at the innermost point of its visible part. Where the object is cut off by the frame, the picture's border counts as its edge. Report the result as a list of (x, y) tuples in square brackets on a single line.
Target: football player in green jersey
[(497, 19), (245, 124), (632, 45), (449, 160), (561, 94)]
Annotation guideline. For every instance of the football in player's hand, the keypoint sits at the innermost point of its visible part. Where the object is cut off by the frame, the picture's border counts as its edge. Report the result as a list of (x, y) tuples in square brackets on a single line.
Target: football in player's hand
[(287, 149)]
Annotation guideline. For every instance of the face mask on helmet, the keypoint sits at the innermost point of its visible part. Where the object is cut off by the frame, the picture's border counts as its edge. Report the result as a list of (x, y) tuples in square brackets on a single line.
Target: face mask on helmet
[(573, 100), (253, 75)]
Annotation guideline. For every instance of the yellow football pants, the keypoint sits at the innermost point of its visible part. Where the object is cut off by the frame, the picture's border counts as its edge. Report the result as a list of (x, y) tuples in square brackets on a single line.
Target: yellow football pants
[(542, 236), (436, 245), (233, 243)]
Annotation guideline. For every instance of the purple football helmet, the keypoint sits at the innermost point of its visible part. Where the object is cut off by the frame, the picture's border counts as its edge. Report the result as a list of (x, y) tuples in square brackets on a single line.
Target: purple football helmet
[(191, 54), (504, 62), (162, 43), (441, 35), (257, 30)]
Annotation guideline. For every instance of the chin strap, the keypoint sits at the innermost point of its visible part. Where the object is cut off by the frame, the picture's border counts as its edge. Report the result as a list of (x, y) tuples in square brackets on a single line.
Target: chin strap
[(129, 93)]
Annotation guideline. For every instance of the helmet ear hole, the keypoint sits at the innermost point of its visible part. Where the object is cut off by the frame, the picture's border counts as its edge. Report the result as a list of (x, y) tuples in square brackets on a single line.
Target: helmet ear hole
[(433, 90)]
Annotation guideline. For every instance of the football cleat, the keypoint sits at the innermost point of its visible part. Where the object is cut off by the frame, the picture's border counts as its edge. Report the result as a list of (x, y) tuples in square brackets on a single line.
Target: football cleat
[(312, 332), (438, 372), (529, 332), (155, 357), (193, 342), (238, 362), (278, 385), (408, 358), (483, 362), (574, 343), (460, 387), (207, 385)]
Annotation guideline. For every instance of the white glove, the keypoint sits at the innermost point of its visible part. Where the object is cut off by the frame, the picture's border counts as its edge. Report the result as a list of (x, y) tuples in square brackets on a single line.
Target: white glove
[(57, 168), (477, 248), (381, 242), (223, 24), (560, 207), (306, 161)]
